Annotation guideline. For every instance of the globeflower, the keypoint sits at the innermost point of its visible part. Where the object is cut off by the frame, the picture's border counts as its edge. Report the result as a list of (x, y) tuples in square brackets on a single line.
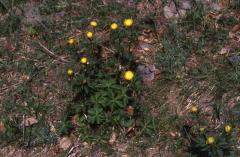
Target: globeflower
[(70, 72), (89, 35), (194, 109), (128, 75), (72, 41), (114, 26), (93, 24), (210, 140), (128, 22), (228, 129), (83, 60)]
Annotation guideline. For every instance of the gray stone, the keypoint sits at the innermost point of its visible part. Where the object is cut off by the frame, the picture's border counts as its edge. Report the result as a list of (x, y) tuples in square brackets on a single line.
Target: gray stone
[(32, 14), (146, 72), (234, 60)]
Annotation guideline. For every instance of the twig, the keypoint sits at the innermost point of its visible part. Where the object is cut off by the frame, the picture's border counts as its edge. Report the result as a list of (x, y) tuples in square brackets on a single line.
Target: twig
[(51, 54), (74, 147), (8, 87), (23, 127), (104, 47)]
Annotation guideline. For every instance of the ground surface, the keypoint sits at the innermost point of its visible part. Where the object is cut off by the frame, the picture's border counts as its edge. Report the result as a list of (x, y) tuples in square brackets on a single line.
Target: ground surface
[(192, 52)]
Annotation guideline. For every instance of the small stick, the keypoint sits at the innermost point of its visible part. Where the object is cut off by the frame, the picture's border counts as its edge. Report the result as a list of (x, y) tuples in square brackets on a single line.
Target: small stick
[(24, 127), (104, 47), (50, 53), (73, 147)]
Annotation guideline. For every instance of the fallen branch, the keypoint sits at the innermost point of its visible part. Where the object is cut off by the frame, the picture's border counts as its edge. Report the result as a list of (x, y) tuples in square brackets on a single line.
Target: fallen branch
[(51, 54)]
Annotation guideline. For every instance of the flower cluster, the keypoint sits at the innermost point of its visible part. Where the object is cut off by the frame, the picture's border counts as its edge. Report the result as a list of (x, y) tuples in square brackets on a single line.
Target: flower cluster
[(127, 23), (207, 139)]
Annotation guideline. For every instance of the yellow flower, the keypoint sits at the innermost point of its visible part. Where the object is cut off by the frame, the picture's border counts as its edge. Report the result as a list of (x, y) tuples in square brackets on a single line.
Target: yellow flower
[(128, 22), (210, 140), (194, 109), (72, 41), (70, 72), (89, 35), (93, 24), (114, 26), (228, 129), (83, 60), (128, 75)]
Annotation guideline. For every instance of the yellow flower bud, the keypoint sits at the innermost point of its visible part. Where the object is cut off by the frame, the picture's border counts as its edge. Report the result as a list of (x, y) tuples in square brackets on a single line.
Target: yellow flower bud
[(210, 140), (228, 129), (201, 129), (194, 109), (72, 41), (70, 72)]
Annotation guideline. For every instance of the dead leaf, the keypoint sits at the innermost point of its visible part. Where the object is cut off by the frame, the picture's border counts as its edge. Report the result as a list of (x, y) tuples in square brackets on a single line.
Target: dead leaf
[(113, 138), (213, 15), (224, 3), (236, 28), (185, 4), (170, 11), (2, 127), (130, 110), (152, 152), (65, 143), (131, 131), (74, 120), (172, 134), (86, 145), (121, 147), (52, 128), (224, 50), (29, 121), (125, 155)]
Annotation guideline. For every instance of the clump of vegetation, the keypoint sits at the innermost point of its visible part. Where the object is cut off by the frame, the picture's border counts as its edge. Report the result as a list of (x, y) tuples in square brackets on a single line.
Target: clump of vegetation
[(107, 90), (205, 140)]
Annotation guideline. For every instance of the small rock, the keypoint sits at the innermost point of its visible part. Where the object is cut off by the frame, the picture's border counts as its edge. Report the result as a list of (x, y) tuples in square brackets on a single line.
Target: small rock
[(65, 143), (146, 72), (234, 60), (32, 14)]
